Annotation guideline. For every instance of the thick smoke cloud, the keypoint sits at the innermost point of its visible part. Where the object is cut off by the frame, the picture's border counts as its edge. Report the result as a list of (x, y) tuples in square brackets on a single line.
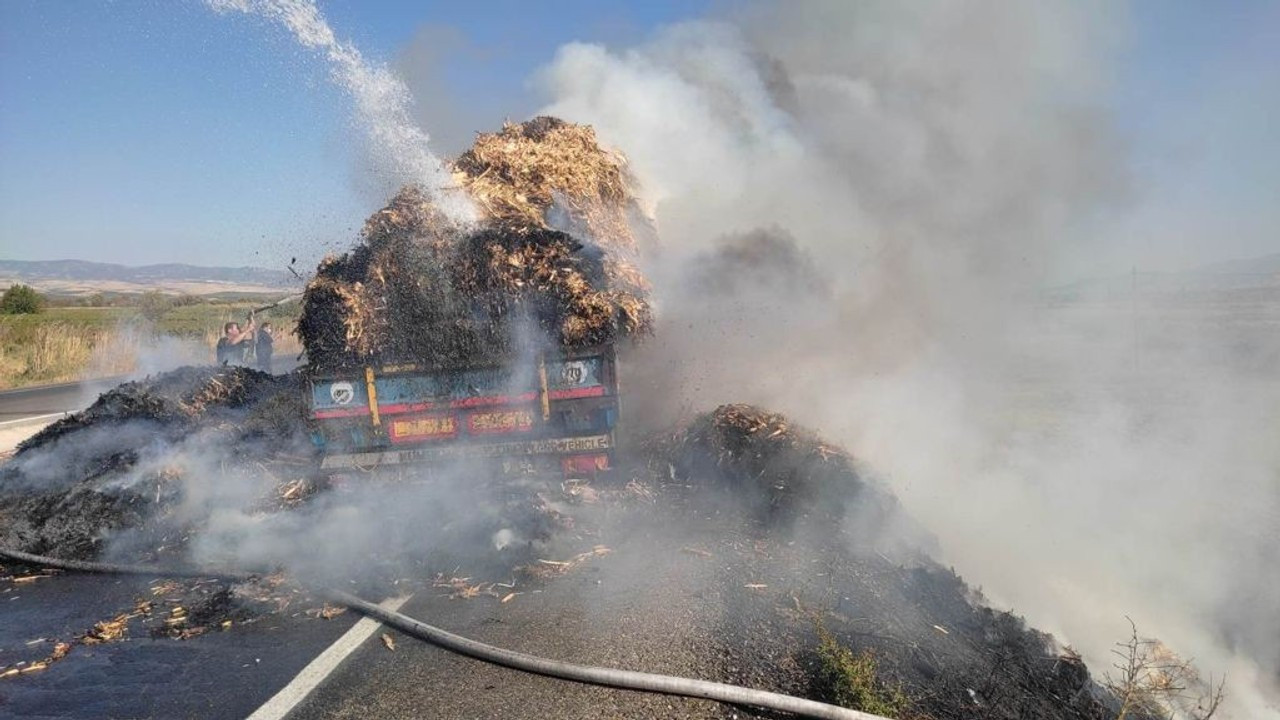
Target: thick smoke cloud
[(938, 164)]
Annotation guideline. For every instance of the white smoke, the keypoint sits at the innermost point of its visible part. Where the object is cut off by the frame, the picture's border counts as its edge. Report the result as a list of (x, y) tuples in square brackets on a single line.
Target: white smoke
[(940, 162), (382, 102)]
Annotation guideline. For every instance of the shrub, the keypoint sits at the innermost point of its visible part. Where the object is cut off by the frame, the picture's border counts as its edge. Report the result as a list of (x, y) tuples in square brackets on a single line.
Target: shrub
[(851, 680), (154, 305), (20, 300), (1152, 681)]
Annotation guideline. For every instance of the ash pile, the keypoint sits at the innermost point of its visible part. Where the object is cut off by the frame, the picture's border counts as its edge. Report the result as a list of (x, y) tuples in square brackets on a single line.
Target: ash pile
[(824, 586), (551, 261)]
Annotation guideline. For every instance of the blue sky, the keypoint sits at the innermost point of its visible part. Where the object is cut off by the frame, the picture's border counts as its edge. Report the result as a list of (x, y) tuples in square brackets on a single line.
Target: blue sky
[(1197, 101), (141, 132), (160, 131)]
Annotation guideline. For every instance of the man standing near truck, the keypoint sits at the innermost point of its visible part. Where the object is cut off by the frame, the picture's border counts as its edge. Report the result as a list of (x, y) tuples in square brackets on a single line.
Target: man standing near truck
[(233, 346), (264, 348)]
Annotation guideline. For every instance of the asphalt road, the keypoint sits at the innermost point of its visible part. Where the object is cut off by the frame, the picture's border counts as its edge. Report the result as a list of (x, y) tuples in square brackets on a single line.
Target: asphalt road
[(218, 675), (48, 400), (649, 605), (25, 403), (696, 590)]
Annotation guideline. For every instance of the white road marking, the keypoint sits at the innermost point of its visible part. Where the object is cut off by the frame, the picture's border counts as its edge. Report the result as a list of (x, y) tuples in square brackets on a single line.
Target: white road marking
[(13, 432), (325, 663), (32, 419)]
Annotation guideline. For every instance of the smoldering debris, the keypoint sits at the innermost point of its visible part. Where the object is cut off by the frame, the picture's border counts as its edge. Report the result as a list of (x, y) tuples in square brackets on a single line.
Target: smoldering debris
[(787, 473), (174, 401), (556, 247), (722, 494), (756, 452), (544, 568), (122, 462), (752, 506)]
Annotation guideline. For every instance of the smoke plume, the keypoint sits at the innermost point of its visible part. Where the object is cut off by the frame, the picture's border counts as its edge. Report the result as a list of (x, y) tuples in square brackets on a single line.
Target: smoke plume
[(915, 176)]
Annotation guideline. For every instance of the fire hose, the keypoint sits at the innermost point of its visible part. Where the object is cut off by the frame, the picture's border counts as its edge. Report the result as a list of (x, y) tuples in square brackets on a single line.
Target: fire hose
[(587, 674)]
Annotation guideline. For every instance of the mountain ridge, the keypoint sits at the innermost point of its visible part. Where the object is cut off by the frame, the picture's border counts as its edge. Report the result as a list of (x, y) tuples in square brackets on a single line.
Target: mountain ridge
[(89, 271)]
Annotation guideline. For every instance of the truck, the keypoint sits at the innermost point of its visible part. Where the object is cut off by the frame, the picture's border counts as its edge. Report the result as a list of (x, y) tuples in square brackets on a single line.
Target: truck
[(553, 410)]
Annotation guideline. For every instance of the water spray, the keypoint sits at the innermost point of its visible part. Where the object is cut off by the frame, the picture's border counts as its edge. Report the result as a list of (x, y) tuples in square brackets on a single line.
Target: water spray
[(382, 102)]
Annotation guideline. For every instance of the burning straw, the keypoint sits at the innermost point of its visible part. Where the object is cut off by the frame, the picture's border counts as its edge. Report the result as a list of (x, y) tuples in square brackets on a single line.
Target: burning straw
[(555, 247), (529, 173)]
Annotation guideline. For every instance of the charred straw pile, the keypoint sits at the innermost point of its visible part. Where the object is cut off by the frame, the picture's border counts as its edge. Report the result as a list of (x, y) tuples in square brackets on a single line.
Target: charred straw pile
[(781, 469), (172, 403), (554, 250), (120, 463), (754, 451)]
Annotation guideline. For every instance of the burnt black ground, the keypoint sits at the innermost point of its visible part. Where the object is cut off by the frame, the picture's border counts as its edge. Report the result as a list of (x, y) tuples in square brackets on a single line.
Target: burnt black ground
[(217, 675), (671, 597), (708, 594)]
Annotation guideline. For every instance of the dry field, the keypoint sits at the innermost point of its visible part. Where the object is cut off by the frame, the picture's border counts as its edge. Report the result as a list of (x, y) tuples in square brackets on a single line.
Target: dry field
[(67, 344)]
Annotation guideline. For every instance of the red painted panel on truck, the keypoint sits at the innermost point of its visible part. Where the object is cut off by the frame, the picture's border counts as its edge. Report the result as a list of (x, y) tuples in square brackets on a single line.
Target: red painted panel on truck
[(423, 427)]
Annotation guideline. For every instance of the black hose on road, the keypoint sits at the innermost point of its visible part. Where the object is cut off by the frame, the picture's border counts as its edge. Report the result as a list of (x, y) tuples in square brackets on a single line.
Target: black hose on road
[(591, 675), (114, 569)]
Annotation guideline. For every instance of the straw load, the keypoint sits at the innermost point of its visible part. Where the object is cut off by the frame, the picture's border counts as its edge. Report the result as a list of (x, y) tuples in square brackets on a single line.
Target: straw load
[(552, 259)]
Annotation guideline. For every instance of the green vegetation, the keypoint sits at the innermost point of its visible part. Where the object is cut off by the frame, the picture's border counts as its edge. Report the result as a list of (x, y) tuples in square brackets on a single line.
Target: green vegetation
[(851, 680), (197, 320), (86, 317), (54, 351), (20, 300), (67, 341)]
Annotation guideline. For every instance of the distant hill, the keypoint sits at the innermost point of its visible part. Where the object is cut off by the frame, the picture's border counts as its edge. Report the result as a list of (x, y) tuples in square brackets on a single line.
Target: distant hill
[(1264, 265), (1248, 278), (169, 272), (75, 277)]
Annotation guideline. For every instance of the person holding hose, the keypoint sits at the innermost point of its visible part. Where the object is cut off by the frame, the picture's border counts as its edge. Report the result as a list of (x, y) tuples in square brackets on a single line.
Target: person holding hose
[(233, 346)]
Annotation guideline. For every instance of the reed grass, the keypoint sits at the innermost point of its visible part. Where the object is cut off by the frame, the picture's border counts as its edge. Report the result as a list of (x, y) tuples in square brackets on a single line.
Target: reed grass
[(69, 344)]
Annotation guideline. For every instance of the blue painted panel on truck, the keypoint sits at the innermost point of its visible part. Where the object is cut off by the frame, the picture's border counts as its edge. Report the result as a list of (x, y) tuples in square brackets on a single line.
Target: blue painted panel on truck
[(400, 392), (450, 386), (338, 398)]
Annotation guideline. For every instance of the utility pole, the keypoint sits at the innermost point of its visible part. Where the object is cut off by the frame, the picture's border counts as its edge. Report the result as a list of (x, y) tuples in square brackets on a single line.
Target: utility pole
[(1133, 315)]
